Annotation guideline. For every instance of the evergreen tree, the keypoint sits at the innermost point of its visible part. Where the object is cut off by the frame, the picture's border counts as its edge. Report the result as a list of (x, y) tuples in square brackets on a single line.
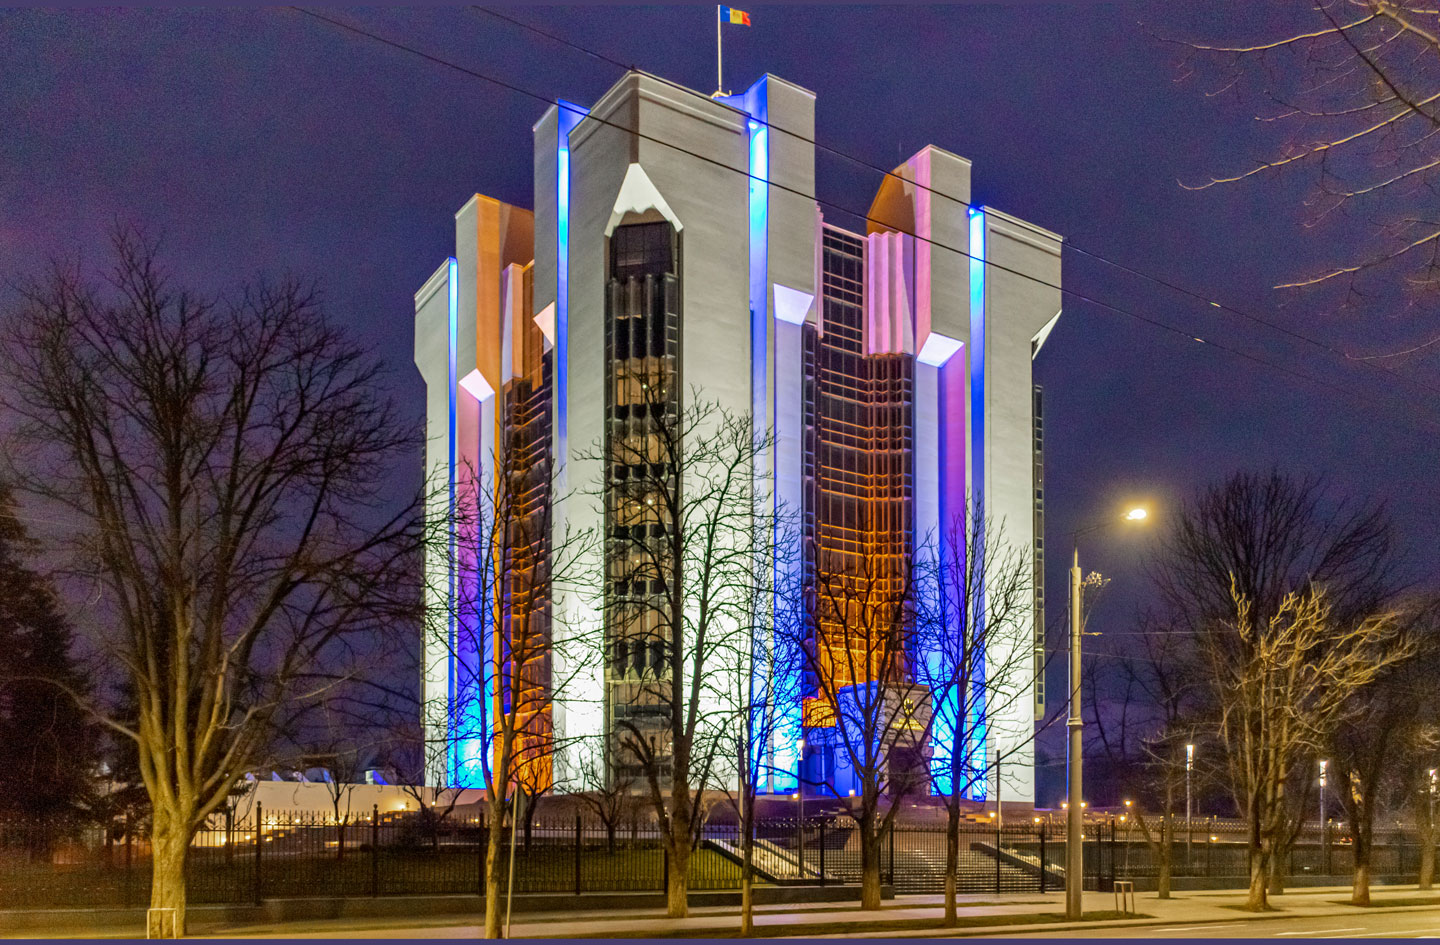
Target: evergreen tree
[(47, 742)]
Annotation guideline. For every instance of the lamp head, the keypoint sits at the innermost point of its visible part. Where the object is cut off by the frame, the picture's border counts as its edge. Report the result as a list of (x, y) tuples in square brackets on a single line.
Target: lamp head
[(1137, 514)]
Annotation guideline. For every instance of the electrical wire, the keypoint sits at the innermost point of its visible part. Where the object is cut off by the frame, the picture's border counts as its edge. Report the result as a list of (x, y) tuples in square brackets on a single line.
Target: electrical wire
[(1069, 244), (1431, 426)]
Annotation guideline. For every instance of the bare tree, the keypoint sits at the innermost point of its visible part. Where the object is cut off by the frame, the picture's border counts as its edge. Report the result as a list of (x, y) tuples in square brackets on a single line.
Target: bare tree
[(1422, 794), (223, 461), (1357, 85), (681, 511), (1375, 754), (1159, 713), (1287, 683), (434, 803), (609, 796), (763, 668), (870, 708), (345, 737), (1268, 536), (493, 560), (974, 634)]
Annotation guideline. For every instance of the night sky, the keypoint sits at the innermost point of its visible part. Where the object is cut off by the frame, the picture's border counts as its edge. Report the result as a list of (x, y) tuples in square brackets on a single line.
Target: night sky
[(265, 140)]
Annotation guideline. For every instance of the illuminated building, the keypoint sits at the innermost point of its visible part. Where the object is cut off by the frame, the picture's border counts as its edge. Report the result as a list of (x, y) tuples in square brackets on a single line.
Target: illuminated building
[(675, 245)]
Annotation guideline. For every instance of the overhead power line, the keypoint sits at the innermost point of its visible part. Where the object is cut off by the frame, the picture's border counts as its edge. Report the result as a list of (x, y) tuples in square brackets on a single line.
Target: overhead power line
[(1069, 244), (1432, 426)]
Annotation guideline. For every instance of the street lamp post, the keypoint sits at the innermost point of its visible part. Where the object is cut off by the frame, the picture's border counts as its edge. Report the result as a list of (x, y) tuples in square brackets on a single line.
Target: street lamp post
[(1125, 817), (1075, 821), (800, 814), (1189, 833), (1323, 765), (1432, 797), (1074, 824), (1324, 838)]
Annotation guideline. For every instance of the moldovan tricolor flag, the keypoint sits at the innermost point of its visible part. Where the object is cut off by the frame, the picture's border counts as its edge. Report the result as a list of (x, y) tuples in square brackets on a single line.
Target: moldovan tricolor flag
[(734, 17)]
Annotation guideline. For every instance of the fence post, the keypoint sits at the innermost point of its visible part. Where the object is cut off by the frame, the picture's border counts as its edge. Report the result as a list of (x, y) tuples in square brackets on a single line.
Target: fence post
[(800, 849), (129, 857), (665, 866), (374, 850), (892, 853), (259, 846), (577, 853), (997, 857), (1112, 855), (822, 852), (1042, 858)]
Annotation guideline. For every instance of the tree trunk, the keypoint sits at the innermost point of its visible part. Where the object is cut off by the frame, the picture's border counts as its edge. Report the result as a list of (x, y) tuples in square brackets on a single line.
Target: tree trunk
[(1259, 879), (1360, 890), (747, 866), (529, 818), (1256, 900), (170, 848), (677, 896), (493, 898), (1276, 885), (610, 837), (869, 862), (1427, 855), (952, 861), (1360, 885), (1167, 855)]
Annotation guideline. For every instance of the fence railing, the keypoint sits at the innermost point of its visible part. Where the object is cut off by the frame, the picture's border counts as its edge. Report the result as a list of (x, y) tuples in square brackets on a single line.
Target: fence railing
[(69, 865), (1216, 849)]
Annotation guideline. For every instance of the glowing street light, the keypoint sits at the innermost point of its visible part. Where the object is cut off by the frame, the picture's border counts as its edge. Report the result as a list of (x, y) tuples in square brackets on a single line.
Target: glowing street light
[(1189, 833), (1432, 797), (1075, 824)]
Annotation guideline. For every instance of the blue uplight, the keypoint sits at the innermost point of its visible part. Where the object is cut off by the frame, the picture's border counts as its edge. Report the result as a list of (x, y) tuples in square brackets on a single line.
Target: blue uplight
[(977, 722), (569, 116)]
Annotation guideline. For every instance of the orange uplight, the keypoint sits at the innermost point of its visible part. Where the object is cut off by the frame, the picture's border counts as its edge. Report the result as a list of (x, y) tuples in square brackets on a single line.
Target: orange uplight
[(819, 713)]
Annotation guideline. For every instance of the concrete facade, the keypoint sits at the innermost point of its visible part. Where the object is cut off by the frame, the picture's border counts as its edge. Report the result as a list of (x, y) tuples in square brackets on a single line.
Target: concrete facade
[(964, 294)]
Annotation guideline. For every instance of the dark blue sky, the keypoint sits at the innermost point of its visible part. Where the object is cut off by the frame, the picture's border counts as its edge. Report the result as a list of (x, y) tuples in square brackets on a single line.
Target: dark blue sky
[(266, 140)]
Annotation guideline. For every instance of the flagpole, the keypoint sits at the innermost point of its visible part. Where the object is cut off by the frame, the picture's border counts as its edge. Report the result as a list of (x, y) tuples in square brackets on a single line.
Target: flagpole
[(719, 69)]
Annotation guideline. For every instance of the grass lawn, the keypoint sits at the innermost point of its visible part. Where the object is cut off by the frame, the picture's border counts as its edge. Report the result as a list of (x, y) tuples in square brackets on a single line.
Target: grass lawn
[(414, 871)]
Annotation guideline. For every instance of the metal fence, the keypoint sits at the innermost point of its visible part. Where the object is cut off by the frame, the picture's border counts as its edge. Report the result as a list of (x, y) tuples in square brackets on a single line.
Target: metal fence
[(1215, 849), (55, 865), (59, 865)]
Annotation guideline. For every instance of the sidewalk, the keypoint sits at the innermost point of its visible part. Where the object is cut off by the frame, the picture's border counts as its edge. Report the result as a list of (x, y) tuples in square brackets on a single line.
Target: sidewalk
[(917, 916)]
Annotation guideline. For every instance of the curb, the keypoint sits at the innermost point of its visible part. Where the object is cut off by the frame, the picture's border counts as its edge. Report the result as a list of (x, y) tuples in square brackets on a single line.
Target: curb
[(992, 930), (764, 931)]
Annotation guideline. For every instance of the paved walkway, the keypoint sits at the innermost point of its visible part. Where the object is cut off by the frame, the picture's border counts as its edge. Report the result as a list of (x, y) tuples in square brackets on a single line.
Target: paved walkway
[(911, 916)]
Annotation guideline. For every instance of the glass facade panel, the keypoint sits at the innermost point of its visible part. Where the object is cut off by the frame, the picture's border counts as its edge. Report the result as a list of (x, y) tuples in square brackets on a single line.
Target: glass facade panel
[(642, 453)]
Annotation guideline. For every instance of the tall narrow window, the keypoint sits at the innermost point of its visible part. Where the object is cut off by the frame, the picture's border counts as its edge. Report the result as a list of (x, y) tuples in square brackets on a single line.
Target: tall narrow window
[(642, 421)]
